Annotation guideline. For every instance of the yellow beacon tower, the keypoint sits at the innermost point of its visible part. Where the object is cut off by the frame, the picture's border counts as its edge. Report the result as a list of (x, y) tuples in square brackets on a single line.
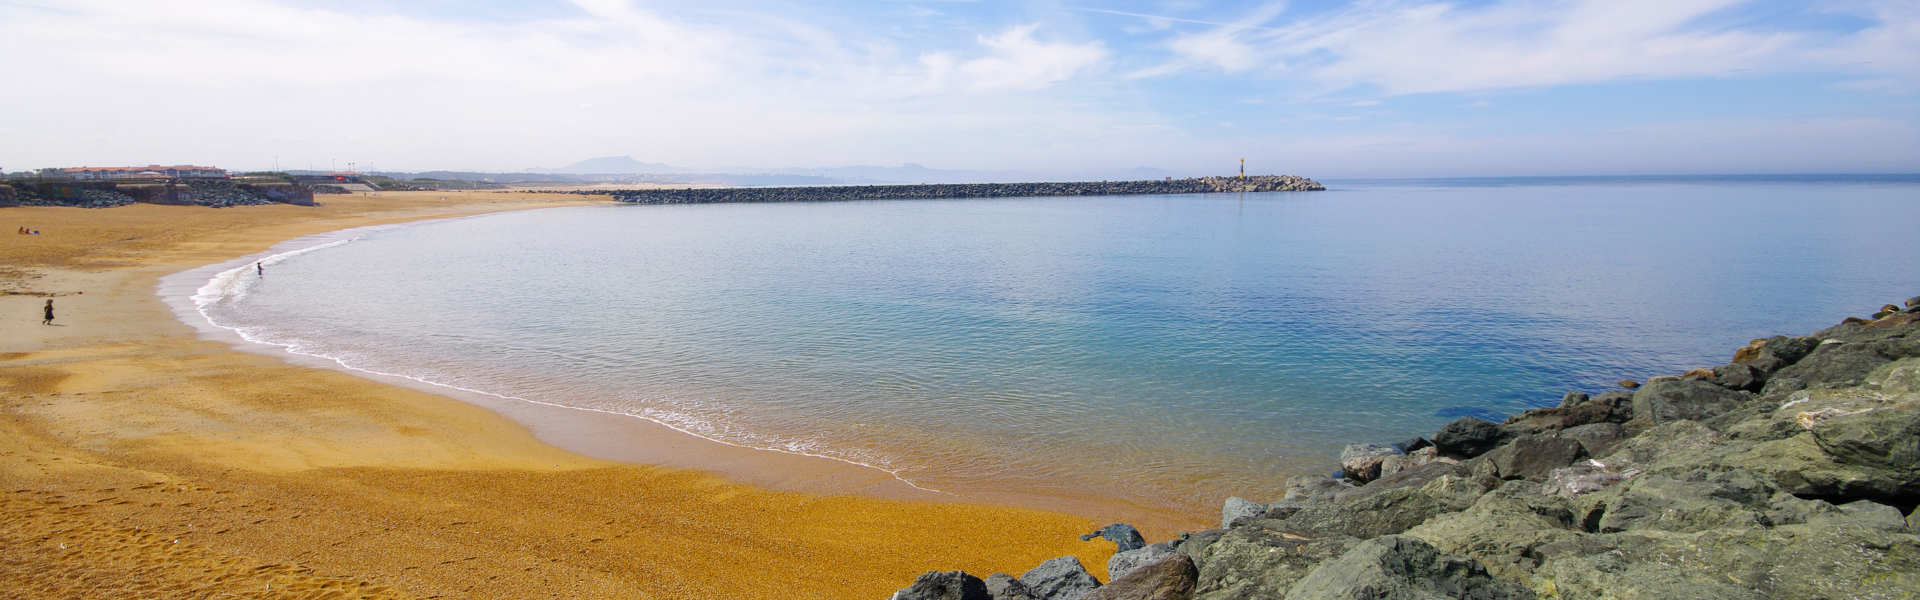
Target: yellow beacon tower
[(1243, 168)]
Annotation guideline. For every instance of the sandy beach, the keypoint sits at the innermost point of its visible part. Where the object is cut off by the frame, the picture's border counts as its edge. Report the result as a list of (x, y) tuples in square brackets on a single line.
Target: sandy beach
[(141, 460)]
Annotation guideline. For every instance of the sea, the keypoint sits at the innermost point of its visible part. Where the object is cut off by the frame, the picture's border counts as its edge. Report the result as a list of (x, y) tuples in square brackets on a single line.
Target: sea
[(1161, 352)]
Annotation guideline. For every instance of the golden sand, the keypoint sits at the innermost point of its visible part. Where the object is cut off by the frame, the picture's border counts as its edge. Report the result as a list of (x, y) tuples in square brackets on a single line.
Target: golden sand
[(138, 460)]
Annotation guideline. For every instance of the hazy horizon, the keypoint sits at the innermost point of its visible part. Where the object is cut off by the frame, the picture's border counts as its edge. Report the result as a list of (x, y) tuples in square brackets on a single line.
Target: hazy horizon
[(1325, 89)]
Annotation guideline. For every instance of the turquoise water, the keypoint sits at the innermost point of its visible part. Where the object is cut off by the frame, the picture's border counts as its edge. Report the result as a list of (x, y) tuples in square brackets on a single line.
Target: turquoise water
[(1162, 350)]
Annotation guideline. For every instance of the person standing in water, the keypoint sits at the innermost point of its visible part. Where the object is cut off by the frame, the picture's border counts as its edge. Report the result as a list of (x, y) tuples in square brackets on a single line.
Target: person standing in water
[(257, 268), (49, 319)]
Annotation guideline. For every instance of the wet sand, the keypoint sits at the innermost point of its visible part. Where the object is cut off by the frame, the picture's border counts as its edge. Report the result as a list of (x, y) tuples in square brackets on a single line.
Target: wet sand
[(140, 459)]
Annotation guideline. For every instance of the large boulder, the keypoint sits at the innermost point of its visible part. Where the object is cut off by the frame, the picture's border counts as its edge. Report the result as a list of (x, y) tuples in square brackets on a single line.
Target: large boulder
[(1835, 364), (1876, 515), (1663, 400), (1502, 528), (1001, 586), (1534, 457), (1171, 577), (1059, 579), (1835, 558), (1597, 439), (1385, 513), (1402, 568), (944, 585), (1310, 489), (1897, 377), (1361, 462), (1456, 493), (1697, 501), (1883, 438), (1667, 439), (1609, 408), (1799, 466), (1739, 376), (1467, 437), (1250, 563), (1588, 477), (1237, 508), (1125, 562), (1411, 477)]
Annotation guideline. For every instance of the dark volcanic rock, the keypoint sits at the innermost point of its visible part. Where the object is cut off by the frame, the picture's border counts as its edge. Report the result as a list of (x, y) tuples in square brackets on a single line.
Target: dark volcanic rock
[(1123, 536), (1598, 439), (944, 585), (1059, 579), (1739, 376), (1402, 567), (1663, 400), (1466, 437), (1534, 457), (1001, 586), (1171, 577)]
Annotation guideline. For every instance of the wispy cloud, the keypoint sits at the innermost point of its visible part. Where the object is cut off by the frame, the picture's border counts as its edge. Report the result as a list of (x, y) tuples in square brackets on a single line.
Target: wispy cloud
[(1014, 60), (1405, 47)]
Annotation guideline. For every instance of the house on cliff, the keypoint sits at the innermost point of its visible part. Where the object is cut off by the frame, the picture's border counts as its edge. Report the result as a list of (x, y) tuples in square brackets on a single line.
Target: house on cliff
[(146, 172)]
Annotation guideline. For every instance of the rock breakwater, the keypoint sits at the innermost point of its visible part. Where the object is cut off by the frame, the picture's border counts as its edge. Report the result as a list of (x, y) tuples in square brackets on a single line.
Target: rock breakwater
[(1793, 471), (1199, 185)]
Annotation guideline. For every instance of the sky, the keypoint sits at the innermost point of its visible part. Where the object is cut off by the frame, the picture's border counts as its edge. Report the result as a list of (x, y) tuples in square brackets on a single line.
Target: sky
[(1326, 89)]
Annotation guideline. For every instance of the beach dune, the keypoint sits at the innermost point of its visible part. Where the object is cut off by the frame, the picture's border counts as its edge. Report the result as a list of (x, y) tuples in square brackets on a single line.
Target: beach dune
[(138, 459)]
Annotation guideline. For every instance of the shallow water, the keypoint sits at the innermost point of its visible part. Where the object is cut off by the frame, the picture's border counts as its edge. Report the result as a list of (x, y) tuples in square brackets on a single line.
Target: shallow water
[(1165, 351)]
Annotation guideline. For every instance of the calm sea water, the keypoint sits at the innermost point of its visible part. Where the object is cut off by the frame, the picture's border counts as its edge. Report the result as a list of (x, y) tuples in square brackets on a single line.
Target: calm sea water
[(1163, 350)]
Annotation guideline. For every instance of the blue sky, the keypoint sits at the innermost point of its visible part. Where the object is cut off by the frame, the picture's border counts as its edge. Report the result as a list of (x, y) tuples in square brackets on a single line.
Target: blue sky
[(1320, 88)]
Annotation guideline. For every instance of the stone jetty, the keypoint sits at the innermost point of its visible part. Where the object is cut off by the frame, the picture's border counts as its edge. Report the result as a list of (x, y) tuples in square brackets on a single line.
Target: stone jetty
[(1792, 471), (1198, 185)]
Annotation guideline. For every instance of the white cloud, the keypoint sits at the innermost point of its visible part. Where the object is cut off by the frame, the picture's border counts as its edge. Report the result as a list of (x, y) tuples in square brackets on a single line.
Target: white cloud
[(238, 79), (1406, 47), (1016, 61)]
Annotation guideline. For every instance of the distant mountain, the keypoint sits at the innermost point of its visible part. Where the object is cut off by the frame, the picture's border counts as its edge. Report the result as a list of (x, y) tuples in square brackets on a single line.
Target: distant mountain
[(613, 165)]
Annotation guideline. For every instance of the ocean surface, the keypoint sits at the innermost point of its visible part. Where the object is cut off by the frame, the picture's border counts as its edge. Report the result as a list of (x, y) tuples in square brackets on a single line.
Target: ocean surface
[(1162, 351)]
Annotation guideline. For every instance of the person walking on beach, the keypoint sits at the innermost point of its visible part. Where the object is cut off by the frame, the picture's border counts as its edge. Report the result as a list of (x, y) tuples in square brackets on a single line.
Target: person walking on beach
[(49, 319)]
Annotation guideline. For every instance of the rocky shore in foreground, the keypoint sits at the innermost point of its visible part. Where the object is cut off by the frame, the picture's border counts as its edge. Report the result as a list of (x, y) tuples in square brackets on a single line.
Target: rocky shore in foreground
[(1197, 185), (1792, 471)]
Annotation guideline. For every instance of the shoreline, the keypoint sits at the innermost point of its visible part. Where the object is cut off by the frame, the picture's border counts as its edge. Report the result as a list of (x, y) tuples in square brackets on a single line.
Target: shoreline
[(590, 432), (636, 439), (126, 402)]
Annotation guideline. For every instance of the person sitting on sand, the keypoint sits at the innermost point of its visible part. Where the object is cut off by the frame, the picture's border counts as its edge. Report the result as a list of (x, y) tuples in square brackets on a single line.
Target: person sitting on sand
[(49, 319)]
